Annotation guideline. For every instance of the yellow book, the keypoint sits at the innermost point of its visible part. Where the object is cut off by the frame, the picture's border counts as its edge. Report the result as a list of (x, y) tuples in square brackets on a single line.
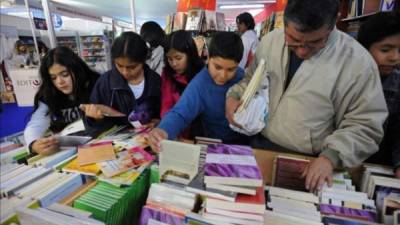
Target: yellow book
[(90, 169)]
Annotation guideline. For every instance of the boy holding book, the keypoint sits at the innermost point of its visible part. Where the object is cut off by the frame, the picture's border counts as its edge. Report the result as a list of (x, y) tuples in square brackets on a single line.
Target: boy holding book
[(205, 95)]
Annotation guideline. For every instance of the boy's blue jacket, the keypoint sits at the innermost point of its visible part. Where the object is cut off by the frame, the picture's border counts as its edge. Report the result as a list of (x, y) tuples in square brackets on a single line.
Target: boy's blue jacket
[(203, 98)]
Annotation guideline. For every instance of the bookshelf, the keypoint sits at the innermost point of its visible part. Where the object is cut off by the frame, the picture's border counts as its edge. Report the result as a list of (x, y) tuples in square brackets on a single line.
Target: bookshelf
[(354, 12), (69, 42), (95, 51)]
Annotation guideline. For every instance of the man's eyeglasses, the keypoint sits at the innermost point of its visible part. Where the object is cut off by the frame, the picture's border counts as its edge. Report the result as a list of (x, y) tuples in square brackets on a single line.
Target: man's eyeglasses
[(320, 43)]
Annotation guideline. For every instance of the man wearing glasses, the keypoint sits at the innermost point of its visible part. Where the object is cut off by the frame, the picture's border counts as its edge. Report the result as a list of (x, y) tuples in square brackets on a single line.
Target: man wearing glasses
[(325, 94)]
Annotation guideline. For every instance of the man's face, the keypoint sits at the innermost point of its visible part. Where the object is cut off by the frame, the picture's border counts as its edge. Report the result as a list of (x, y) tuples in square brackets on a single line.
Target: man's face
[(222, 70), (305, 44)]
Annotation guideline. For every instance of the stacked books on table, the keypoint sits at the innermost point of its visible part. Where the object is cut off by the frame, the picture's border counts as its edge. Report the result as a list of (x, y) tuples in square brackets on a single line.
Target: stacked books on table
[(168, 204), (101, 159), (12, 148), (111, 204), (379, 184), (52, 160), (55, 214), (291, 207), (231, 170), (15, 176), (8, 208)]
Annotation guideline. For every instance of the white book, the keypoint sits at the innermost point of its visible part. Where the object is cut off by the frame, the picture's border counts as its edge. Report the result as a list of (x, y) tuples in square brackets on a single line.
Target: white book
[(232, 220), (237, 189), (69, 211), (24, 179), (179, 157), (315, 218), (275, 218), (36, 187), (286, 203), (240, 215), (355, 199), (295, 195), (381, 181)]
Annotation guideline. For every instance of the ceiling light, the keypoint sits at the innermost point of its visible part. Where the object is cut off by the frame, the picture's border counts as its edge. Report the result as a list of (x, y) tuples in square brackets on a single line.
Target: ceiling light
[(245, 6)]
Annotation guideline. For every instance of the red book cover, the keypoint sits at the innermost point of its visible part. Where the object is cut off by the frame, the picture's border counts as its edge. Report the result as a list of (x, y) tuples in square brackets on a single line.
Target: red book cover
[(258, 199)]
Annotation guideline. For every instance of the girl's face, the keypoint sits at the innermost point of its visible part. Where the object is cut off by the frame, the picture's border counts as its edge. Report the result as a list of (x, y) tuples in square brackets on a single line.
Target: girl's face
[(386, 54), (61, 78), (177, 60), (130, 70)]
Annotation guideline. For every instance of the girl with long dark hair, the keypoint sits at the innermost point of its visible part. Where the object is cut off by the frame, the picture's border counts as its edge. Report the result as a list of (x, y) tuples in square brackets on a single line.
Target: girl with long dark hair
[(130, 87), (182, 63), (66, 83)]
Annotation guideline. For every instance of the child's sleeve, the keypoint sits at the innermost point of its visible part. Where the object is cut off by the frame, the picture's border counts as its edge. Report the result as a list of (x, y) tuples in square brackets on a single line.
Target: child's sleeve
[(38, 124), (184, 112)]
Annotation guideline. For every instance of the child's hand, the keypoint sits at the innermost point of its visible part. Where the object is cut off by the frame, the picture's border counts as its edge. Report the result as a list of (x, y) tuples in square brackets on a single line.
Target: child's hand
[(230, 108), (92, 110), (153, 123), (45, 146), (155, 137)]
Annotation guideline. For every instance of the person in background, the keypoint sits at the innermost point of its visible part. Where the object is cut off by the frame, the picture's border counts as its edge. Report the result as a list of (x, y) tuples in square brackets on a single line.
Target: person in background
[(380, 35), (66, 83), (205, 95), (182, 63), (325, 96), (42, 49), (245, 24), (154, 36), (130, 87)]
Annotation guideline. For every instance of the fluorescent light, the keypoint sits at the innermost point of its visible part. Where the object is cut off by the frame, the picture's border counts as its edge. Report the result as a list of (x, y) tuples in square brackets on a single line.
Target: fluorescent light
[(245, 6)]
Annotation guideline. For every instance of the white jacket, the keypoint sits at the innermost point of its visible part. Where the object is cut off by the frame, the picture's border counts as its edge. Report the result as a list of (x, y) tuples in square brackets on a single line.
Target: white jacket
[(334, 104)]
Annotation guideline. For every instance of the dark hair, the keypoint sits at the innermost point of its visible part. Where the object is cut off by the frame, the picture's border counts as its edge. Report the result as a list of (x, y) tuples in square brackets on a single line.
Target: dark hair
[(131, 46), (153, 34), (311, 15), (247, 19), (42, 46), (227, 45), (378, 27), (183, 42), (83, 79)]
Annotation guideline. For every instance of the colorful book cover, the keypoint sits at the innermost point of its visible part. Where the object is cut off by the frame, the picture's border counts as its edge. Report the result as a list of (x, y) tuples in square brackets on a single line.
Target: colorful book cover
[(93, 153), (126, 160), (152, 215), (90, 169), (231, 164), (360, 214)]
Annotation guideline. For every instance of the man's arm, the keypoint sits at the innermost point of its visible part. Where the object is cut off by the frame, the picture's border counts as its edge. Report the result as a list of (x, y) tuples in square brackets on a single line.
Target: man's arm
[(360, 126)]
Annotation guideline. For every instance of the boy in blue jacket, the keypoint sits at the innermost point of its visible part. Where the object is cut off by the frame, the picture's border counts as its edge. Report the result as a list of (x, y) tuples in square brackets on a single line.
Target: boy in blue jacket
[(204, 97)]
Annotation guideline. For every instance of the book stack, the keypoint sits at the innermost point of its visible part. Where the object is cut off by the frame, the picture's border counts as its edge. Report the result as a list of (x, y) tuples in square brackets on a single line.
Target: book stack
[(12, 148), (287, 172), (168, 204), (55, 215), (50, 188), (379, 184), (291, 207), (233, 168), (52, 160), (341, 204), (111, 204), (8, 208), (15, 176)]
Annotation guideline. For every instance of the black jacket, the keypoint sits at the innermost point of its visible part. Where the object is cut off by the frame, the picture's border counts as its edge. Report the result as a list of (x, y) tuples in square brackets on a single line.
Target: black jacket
[(113, 90)]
